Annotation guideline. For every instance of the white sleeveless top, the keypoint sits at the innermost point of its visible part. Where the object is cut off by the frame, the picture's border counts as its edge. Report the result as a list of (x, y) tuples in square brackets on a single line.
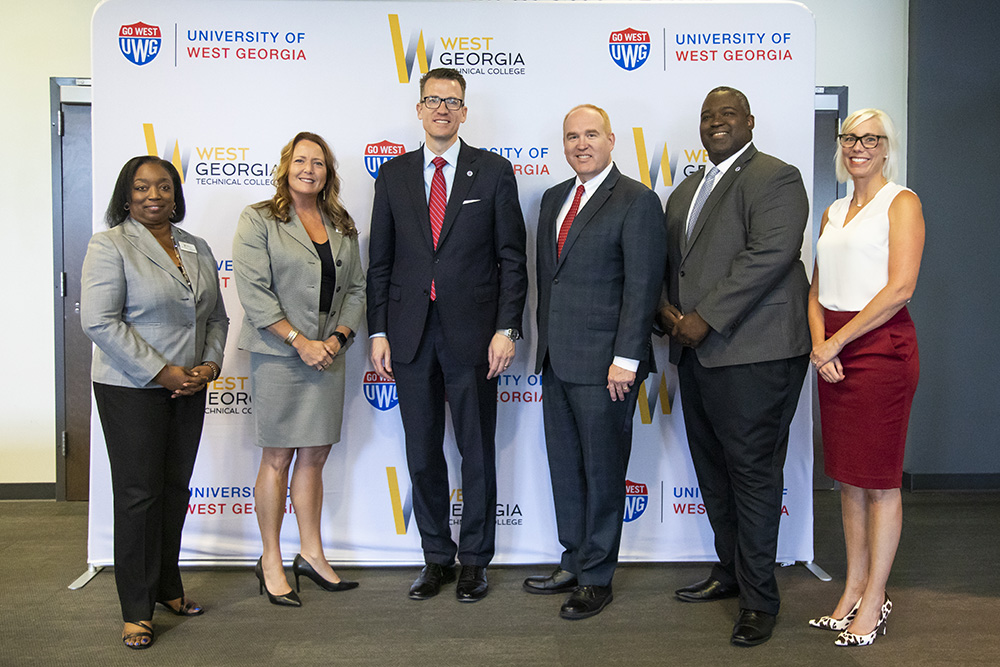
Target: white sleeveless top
[(853, 260)]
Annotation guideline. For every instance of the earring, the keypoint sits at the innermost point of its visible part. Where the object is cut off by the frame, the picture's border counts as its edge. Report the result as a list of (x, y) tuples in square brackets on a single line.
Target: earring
[(126, 206)]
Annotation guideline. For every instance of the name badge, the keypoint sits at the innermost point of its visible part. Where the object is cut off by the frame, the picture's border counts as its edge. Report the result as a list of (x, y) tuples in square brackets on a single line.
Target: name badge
[(187, 247)]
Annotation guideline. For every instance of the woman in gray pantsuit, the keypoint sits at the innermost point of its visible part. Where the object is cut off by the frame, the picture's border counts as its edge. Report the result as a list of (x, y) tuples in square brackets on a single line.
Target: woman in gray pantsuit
[(299, 277), (150, 301)]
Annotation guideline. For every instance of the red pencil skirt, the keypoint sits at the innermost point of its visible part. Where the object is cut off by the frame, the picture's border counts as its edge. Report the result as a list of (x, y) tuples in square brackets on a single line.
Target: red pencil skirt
[(865, 416)]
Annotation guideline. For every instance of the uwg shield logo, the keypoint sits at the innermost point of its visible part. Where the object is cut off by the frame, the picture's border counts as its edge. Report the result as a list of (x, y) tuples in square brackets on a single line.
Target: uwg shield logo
[(629, 48), (636, 500), (651, 168), (377, 154), (415, 50), (139, 43), (171, 150), (380, 393)]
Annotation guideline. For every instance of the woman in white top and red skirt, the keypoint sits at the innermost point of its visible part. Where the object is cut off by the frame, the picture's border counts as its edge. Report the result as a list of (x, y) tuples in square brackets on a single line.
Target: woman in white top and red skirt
[(865, 352)]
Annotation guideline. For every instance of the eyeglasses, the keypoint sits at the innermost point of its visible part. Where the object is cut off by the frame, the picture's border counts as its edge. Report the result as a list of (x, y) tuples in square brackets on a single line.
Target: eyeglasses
[(452, 103), (868, 141)]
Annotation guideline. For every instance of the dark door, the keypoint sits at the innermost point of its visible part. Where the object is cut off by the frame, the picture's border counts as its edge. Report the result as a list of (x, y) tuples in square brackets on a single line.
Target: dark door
[(73, 226)]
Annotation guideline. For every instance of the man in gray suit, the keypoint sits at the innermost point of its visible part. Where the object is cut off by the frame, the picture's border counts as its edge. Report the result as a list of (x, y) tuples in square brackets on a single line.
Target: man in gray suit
[(600, 263), (736, 316)]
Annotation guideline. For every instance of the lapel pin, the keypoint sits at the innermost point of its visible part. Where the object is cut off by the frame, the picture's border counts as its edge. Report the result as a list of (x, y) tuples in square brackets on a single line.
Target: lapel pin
[(468, 173), (738, 168)]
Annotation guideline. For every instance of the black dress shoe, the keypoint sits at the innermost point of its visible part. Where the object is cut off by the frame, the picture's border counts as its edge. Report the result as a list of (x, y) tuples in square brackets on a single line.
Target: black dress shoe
[(428, 584), (707, 591), (472, 586), (586, 601), (752, 627), (560, 581)]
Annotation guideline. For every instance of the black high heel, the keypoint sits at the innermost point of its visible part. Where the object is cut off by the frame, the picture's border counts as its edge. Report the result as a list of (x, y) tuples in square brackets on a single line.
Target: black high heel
[(289, 599), (186, 608), (301, 567)]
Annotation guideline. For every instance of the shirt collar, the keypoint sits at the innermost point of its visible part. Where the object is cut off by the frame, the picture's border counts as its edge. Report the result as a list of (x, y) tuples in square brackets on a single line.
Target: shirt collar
[(724, 166), (591, 186), (450, 156)]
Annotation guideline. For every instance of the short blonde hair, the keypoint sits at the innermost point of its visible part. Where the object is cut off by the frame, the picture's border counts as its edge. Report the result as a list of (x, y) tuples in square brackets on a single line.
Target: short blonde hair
[(593, 107), (891, 167)]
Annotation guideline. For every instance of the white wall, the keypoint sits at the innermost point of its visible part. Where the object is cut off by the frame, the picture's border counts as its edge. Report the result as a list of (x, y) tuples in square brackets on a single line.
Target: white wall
[(38, 39), (44, 38)]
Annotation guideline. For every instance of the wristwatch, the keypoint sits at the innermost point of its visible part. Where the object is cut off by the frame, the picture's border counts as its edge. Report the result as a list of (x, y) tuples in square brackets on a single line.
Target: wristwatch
[(513, 334), (341, 338)]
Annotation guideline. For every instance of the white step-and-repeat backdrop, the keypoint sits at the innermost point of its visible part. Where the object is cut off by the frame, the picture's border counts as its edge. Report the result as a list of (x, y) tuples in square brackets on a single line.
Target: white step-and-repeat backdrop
[(220, 87)]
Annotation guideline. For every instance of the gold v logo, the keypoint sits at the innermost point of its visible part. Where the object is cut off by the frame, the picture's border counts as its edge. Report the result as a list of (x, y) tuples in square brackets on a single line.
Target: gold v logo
[(649, 170), (415, 50), (646, 406), (401, 509), (171, 154)]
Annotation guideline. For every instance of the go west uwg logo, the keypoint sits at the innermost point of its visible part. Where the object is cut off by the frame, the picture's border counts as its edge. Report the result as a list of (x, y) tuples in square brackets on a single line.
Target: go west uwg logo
[(139, 43), (636, 500), (171, 150), (629, 48), (380, 393), (378, 154), (416, 50)]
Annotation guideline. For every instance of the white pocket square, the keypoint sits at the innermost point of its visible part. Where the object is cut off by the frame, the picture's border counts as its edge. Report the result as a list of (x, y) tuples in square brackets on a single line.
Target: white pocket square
[(470, 201)]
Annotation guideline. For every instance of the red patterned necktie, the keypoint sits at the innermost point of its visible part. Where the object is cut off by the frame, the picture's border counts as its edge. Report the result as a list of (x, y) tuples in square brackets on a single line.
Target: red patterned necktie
[(437, 203), (570, 215)]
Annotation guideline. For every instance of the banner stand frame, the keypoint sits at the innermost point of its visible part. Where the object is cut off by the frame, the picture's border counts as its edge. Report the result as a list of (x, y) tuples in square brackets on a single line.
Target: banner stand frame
[(84, 579)]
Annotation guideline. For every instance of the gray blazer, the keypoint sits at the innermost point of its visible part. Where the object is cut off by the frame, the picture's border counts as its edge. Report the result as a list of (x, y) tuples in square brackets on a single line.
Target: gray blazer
[(741, 268), (278, 275), (598, 299), (139, 311)]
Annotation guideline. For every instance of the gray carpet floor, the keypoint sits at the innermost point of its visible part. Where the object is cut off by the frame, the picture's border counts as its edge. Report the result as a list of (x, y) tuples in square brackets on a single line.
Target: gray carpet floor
[(945, 586)]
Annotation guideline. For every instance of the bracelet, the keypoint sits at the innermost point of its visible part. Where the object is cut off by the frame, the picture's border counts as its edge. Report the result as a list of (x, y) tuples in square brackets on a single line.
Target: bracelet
[(292, 335), (216, 371)]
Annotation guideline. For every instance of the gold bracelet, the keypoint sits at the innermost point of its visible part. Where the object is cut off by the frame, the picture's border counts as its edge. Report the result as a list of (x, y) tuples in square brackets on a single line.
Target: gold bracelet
[(216, 371), (292, 335)]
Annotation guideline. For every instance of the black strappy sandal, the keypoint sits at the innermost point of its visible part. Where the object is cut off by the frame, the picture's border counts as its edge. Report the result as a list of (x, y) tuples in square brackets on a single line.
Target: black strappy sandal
[(139, 636)]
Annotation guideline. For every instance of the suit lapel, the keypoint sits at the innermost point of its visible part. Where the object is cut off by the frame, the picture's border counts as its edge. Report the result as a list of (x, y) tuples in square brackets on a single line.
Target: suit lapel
[(718, 193), (416, 192), (189, 257), (589, 210), (297, 231), (548, 219), (144, 242), (465, 173)]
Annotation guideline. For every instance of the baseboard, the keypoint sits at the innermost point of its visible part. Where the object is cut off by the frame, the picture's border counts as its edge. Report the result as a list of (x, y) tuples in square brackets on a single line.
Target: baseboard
[(28, 491), (951, 482)]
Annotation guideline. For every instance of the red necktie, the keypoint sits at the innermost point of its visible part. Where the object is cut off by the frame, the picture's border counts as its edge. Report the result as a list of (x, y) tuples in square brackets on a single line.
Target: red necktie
[(570, 215), (437, 203)]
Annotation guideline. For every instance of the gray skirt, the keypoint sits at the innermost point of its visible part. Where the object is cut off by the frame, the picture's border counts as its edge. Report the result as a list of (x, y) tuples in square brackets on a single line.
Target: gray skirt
[(295, 405)]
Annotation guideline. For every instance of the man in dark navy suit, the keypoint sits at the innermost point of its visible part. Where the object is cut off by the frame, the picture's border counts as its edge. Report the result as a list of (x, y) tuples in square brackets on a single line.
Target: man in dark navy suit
[(447, 281), (601, 259)]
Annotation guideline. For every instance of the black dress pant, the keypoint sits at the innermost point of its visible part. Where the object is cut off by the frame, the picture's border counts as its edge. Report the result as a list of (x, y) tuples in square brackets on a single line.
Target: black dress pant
[(737, 420), (588, 438), (423, 386), (152, 442)]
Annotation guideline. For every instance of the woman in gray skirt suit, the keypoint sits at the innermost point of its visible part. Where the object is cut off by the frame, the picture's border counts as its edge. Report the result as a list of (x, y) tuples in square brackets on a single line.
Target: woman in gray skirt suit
[(299, 277)]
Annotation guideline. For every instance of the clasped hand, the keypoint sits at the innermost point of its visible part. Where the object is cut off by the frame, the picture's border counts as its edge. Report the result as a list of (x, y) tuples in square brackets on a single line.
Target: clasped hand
[(318, 354), (689, 330), (183, 381)]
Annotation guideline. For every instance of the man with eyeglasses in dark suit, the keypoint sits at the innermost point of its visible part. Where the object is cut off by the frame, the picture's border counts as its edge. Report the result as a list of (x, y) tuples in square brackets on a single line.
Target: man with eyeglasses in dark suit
[(447, 281)]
